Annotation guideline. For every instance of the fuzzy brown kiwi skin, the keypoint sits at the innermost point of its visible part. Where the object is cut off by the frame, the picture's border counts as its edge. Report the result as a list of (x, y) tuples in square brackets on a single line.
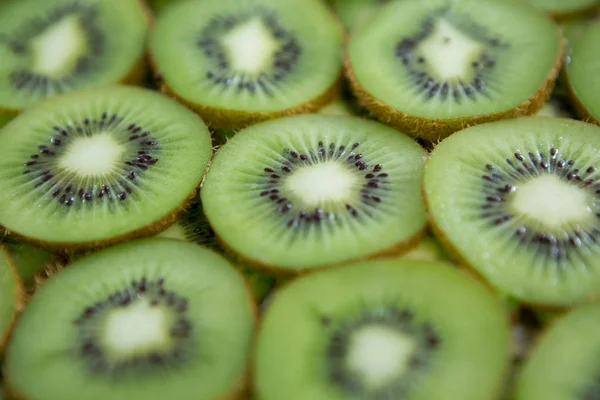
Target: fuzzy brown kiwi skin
[(582, 13), (433, 129), (283, 274), (20, 299), (151, 229), (134, 77)]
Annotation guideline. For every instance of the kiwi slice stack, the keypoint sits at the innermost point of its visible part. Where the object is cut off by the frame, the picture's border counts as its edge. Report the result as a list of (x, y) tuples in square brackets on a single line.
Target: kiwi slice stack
[(310, 191), (148, 319), (391, 329), (237, 62), (99, 166), (50, 47), (517, 200), (430, 68), (11, 296)]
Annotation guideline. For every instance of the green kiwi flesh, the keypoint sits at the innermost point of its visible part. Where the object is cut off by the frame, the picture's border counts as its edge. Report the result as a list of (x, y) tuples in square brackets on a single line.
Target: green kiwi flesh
[(237, 62), (10, 296), (28, 260), (147, 319), (517, 200), (338, 107), (193, 227), (354, 13), (393, 329), (431, 67), (310, 191), (563, 365), (581, 71), (428, 249), (98, 166), (55, 46)]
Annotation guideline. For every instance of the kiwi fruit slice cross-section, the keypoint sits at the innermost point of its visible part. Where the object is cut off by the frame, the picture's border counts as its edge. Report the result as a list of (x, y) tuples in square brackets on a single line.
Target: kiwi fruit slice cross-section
[(98, 166), (564, 363), (11, 296), (581, 72), (428, 249), (354, 13), (237, 62), (564, 9), (147, 319), (54, 46), (311, 191), (431, 68), (382, 330), (28, 260), (193, 227), (518, 201)]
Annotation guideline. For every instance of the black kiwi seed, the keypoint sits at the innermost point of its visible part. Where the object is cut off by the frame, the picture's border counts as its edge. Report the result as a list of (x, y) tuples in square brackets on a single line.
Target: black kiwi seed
[(392, 317), (500, 184), (45, 172), (284, 60), (371, 188), (27, 80), (429, 85), (89, 345)]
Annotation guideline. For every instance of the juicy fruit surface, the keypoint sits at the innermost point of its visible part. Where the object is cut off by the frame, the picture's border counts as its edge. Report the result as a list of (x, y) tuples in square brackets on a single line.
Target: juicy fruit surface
[(146, 319), (564, 363), (382, 329), (583, 68), (54, 46), (255, 55), (522, 206), (322, 190), (92, 165), (9, 287), (440, 59)]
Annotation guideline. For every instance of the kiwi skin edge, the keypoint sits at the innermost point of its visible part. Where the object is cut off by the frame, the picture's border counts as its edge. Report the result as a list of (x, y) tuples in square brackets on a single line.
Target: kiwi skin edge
[(435, 129), (150, 229), (19, 303), (278, 272), (134, 77)]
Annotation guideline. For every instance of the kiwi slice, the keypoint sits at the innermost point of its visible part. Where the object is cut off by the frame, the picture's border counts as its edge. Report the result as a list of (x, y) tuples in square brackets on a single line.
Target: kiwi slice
[(428, 249), (311, 191), (564, 363), (339, 107), (517, 200), (98, 166), (147, 319), (556, 107), (193, 227), (392, 329), (237, 62), (28, 260), (54, 46), (564, 9), (11, 296), (431, 68), (354, 13), (581, 71)]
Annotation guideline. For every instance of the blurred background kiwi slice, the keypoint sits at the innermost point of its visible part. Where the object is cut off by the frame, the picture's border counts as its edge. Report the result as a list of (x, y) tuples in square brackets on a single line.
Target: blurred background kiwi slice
[(311, 191), (98, 166), (393, 329), (147, 319), (237, 62), (50, 47), (430, 68), (518, 201), (11, 297)]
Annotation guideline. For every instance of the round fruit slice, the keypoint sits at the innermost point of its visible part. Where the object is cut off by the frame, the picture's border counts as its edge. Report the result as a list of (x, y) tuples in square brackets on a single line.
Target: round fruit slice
[(148, 319), (50, 47), (433, 67), (581, 74), (237, 62), (311, 191), (562, 9), (564, 363), (28, 260), (382, 330), (11, 296), (354, 13), (519, 201), (99, 166)]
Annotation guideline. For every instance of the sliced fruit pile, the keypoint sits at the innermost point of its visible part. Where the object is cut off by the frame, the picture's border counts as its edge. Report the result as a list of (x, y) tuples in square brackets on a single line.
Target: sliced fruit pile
[(299, 200)]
